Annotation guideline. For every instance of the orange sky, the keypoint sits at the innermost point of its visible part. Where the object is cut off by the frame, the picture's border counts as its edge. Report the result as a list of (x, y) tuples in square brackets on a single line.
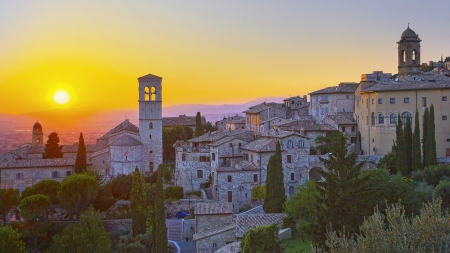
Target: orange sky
[(208, 52)]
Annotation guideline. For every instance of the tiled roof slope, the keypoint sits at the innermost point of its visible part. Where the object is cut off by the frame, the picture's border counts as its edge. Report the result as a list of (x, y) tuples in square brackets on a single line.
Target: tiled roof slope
[(126, 125), (342, 88), (217, 135), (39, 162), (264, 106), (126, 141), (261, 145), (149, 76), (245, 222), (74, 148), (181, 120), (343, 118), (214, 208), (408, 85), (306, 125)]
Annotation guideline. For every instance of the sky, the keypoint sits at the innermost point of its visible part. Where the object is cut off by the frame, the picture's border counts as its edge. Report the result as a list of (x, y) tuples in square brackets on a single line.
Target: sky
[(207, 52)]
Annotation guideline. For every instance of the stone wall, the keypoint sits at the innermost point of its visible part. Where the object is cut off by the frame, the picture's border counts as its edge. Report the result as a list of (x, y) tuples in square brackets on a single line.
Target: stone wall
[(188, 229), (31, 176), (210, 222), (216, 241)]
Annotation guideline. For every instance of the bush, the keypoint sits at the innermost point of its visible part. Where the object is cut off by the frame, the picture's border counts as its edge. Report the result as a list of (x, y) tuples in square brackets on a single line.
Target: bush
[(436, 173), (121, 186), (442, 190), (194, 193), (173, 192)]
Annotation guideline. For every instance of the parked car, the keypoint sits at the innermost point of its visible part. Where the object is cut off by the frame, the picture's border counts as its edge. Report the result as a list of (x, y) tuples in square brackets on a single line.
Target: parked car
[(181, 214)]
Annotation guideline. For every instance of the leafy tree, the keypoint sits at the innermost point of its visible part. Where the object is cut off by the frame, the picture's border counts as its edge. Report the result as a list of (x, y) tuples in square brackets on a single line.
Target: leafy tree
[(198, 125), (52, 148), (434, 174), (77, 192), (275, 192), (442, 191), (9, 199), (323, 144), (121, 186), (447, 59), (10, 241), (170, 136), (138, 204), (416, 163), (408, 144), (425, 68), (208, 127), (259, 192), (303, 206), (262, 239), (426, 116), (159, 228), (104, 198), (400, 149), (46, 187), (142, 243), (80, 161), (431, 139), (87, 235), (388, 163), (344, 195), (96, 174), (173, 192)]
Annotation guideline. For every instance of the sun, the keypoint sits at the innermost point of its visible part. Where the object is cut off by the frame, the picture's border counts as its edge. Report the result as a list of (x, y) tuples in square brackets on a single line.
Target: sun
[(61, 97)]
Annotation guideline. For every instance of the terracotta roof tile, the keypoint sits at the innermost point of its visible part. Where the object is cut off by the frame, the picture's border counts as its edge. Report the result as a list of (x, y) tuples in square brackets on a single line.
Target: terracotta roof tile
[(245, 222), (126, 125), (39, 162)]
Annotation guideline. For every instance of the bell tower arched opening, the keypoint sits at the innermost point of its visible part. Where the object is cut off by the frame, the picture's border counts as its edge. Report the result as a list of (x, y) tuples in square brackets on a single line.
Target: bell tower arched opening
[(146, 93), (409, 53)]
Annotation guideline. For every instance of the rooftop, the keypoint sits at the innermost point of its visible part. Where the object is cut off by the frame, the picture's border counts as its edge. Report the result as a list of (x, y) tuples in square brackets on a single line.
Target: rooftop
[(245, 222), (181, 120), (343, 118), (423, 82), (126, 125), (126, 141), (149, 76), (39, 162), (341, 88)]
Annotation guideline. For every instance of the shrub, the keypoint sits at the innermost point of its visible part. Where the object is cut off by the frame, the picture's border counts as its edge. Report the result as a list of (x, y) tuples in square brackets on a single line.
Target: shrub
[(173, 192)]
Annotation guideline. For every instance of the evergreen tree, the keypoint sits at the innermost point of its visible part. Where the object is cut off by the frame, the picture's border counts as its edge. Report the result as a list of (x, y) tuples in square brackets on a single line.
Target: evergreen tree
[(344, 196), (262, 239), (408, 144), (52, 148), (425, 136), (160, 230), (138, 203), (77, 192), (416, 163), (198, 125), (431, 139), (11, 241), (400, 149), (80, 162), (275, 192)]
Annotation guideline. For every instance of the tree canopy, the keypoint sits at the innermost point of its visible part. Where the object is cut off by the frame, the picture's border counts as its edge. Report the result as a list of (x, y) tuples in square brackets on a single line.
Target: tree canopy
[(10, 241), (52, 148), (262, 239), (275, 192), (77, 192), (9, 199), (47, 187), (80, 161)]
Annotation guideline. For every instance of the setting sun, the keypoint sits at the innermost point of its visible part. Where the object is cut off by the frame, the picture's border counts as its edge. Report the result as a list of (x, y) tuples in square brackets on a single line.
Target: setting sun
[(61, 97)]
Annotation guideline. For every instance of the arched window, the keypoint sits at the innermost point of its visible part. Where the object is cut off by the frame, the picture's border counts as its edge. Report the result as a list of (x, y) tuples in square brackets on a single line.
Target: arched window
[(406, 115), (403, 56), (291, 191), (290, 144), (373, 119), (153, 93), (413, 54), (150, 125), (146, 94), (301, 143), (381, 118), (392, 118), (199, 173)]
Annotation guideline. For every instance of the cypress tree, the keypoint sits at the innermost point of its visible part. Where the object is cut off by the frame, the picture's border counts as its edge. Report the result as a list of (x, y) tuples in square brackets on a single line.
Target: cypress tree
[(431, 139), (198, 125), (425, 136), (275, 192), (408, 144), (138, 203), (159, 228), (400, 150), (415, 151), (80, 162), (52, 148)]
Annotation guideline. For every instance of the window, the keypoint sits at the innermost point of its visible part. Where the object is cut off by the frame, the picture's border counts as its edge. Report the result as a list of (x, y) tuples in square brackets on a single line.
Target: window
[(381, 118), (353, 128), (151, 151), (255, 177), (204, 159), (424, 102), (448, 152), (229, 179), (326, 111), (444, 117), (290, 144), (55, 174), (392, 118), (343, 129), (213, 156), (406, 115), (347, 96), (316, 98), (301, 143), (19, 176), (324, 98), (317, 111), (321, 111), (199, 173), (240, 144), (392, 100), (352, 139), (214, 245), (245, 156), (68, 173), (150, 125), (37, 175), (251, 157), (151, 167), (444, 98), (373, 119), (289, 159), (372, 100), (230, 196), (292, 176), (406, 100), (183, 157), (103, 161), (380, 101), (150, 136)]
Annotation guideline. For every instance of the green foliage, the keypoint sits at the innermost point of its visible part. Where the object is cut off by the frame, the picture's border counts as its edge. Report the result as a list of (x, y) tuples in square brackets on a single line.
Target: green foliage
[(400, 149), (104, 198), (35, 207), (395, 232), (159, 228), (262, 239), (96, 174), (426, 116), (275, 192), (303, 206), (430, 159), (425, 68), (344, 195), (416, 163), (138, 203), (208, 127), (142, 243), (10, 241), (9, 199), (442, 191), (407, 131), (207, 184), (259, 192), (80, 161), (323, 144), (173, 192), (77, 192), (388, 163), (165, 170), (198, 125), (170, 136), (46, 187), (434, 174), (121, 186), (87, 235), (52, 148), (194, 193)]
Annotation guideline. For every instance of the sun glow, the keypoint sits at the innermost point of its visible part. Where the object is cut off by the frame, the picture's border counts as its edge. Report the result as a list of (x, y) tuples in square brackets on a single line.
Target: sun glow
[(61, 97)]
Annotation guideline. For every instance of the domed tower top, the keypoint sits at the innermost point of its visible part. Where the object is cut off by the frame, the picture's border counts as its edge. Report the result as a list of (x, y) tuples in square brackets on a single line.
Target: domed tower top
[(409, 53), (37, 137)]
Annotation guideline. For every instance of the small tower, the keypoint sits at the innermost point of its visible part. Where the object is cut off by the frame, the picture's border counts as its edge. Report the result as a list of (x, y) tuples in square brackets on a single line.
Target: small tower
[(409, 53), (150, 121), (37, 137)]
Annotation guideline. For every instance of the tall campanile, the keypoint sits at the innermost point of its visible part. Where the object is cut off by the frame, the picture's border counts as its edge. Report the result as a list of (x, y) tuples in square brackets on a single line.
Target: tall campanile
[(150, 121), (409, 53)]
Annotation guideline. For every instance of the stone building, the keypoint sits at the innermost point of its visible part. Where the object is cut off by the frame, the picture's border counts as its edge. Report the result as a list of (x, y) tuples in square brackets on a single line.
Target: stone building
[(345, 123), (181, 120), (262, 112), (222, 124), (37, 137), (332, 100), (378, 103)]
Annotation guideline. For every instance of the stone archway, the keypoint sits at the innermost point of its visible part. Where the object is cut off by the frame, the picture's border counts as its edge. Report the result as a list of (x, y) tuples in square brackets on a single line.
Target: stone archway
[(314, 174)]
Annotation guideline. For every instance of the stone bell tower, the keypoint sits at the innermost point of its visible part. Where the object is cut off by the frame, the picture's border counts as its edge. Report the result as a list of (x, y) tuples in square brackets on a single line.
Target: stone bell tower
[(409, 53), (37, 137), (150, 122)]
